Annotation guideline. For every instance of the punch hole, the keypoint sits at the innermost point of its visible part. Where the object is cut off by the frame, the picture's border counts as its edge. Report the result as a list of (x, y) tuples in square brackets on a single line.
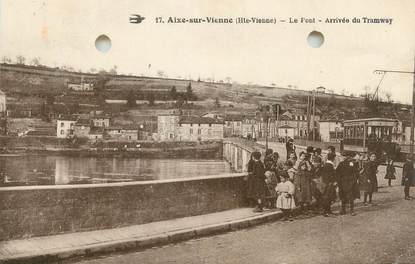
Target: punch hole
[(103, 43), (315, 39)]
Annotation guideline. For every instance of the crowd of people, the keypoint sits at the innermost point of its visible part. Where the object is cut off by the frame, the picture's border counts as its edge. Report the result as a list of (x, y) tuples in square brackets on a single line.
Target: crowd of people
[(312, 183)]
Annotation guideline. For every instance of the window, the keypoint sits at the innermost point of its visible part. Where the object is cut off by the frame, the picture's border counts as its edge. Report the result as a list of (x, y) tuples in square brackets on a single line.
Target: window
[(191, 131), (191, 124), (210, 125), (62, 132), (199, 131), (198, 124), (62, 124), (129, 137)]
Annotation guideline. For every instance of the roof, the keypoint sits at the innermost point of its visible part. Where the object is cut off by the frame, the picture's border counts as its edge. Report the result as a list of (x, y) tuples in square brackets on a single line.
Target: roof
[(2, 93), (83, 122), (199, 120), (96, 130), (371, 119), (285, 126), (234, 117), (330, 120), (122, 127)]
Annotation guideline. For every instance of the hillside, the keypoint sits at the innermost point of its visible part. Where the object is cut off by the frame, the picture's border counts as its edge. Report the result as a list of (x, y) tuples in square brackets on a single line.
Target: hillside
[(35, 84)]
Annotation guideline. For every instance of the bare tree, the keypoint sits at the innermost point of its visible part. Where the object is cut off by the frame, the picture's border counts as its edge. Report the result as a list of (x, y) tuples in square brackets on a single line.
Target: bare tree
[(20, 59), (388, 96), (113, 70), (160, 73), (6, 59), (36, 61)]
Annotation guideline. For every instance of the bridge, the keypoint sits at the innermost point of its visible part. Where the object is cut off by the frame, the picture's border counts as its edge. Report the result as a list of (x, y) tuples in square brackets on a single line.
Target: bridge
[(237, 152)]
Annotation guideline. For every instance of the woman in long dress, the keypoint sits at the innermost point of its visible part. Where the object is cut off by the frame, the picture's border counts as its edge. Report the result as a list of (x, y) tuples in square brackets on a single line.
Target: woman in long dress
[(302, 182), (257, 188)]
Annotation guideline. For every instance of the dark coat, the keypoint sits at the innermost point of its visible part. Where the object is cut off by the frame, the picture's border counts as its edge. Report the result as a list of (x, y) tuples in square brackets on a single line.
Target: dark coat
[(327, 180), (257, 188), (390, 172), (302, 182), (347, 175), (368, 181), (408, 173)]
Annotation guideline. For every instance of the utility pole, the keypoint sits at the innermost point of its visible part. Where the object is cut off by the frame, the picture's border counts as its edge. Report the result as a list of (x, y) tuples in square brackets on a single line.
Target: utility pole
[(411, 147), (314, 115)]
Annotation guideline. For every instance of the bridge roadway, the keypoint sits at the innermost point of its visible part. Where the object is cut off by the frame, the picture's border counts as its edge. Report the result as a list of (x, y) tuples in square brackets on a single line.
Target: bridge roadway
[(377, 234)]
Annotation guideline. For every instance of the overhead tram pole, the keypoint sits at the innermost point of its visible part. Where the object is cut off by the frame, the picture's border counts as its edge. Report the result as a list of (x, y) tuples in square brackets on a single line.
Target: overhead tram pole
[(411, 147)]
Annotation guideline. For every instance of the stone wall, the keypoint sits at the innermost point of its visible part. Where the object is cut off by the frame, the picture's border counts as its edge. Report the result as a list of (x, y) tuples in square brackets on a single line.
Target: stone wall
[(45, 210)]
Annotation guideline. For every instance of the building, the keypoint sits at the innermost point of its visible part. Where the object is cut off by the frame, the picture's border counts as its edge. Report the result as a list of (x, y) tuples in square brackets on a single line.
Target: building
[(330, 130), (195, 128), (168, 127), (82, 128), (2, 102), (85, 87), (298, 120), (122, 133), (96, 133), (100, 121), (65, 128), (286, 131), (249, 127), (233, 125)]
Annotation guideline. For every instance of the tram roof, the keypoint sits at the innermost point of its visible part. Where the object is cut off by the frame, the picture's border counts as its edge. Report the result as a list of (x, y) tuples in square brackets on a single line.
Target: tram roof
[(369, 120)]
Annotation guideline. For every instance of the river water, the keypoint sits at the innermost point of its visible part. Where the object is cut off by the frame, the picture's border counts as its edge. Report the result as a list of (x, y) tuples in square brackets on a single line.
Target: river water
[(47, 170)]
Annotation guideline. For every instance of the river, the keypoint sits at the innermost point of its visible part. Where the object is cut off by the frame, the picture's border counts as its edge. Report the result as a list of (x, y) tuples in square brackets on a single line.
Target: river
[(50, 170)]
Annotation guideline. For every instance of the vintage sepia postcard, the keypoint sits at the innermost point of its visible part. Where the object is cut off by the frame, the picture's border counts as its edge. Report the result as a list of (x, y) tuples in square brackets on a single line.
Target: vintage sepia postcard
[(207, 131)]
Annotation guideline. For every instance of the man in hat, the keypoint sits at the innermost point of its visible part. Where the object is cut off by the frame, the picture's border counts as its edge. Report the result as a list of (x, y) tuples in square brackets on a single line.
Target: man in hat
[(408, 176), (347, 174)]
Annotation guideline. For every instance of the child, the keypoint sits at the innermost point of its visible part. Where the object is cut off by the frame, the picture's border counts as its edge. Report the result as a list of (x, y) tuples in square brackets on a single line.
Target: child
[(285, 200), (289, 168), (390, 171)]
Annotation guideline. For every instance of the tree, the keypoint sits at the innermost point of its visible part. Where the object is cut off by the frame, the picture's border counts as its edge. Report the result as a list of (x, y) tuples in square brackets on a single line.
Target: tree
[(6, 59), (113, 70), (151, 99), (173, 93), (189, 92), (228, 79), (217, 102), (20, 59), (179, 102), (36, 61), (160, 73), (131, 100), (92, 70), (388, 96)]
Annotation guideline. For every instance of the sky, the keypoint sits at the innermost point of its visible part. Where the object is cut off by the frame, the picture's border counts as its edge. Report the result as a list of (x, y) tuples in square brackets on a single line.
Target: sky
[(64, 32)]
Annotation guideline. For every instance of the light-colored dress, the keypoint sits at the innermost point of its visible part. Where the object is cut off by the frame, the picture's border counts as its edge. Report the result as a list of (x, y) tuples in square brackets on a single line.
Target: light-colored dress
[(285, 192)]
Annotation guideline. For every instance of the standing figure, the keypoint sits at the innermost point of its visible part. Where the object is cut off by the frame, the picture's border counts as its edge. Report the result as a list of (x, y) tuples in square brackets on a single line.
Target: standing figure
[(408, 176), (292, 157), (291, 171), (327, 185), (368, 179), (332, 149), (302, 182), (289, 146), (257, 188), (390, 171), (347, 175), (285, 201)]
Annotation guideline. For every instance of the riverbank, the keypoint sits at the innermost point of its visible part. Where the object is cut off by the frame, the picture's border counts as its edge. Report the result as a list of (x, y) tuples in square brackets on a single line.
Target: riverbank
[(131, 149)]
